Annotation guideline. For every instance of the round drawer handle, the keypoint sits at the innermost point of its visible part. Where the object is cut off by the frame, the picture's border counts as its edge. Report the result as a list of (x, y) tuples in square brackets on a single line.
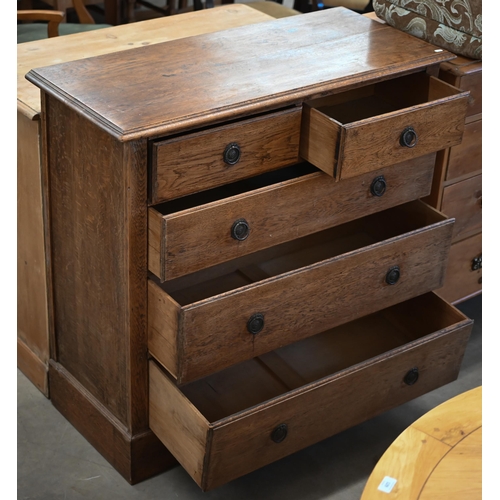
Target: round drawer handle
[(232, 154), (279, 434), (393, 275), (409, 138), (256, 323), (411, 377), (240, 230), (379, 185)]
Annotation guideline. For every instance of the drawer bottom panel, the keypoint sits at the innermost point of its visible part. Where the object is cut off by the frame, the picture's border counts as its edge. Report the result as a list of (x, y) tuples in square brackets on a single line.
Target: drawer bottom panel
[(256, 412)]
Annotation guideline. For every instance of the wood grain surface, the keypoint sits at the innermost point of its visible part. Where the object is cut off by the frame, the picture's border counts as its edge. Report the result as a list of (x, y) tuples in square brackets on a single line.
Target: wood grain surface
[(276, 213), (118, 38), (461, 281), (189, 164), (308, 292), (98, 250), (366, 128), (466, 158), (438, 457), (464, 201), (32, 315), (239, 437), (466, 74), (178, 72)]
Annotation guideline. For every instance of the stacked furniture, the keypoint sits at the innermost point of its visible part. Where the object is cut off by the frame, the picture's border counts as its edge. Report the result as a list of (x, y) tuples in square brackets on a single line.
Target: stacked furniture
[(240, 261)]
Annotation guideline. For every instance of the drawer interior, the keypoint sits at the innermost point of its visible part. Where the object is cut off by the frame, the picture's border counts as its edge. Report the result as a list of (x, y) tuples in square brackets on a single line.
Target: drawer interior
[(302, 252), (235, 188), (381, 98), (268, 376)]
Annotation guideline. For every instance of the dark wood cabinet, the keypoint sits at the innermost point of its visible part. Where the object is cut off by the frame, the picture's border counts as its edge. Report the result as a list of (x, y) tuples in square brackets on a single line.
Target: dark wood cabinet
[(457, 186)]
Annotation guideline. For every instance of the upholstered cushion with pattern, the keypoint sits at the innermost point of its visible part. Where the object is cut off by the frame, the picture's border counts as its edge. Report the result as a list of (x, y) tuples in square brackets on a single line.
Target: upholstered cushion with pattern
[(455, 25)]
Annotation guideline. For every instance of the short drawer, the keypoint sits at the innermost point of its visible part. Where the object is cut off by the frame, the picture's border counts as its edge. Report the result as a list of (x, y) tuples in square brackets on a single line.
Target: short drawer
[(355, 132), (206, 321), (466, 158), (194, 162), (466, 74), (247, 416), (464, 202), (219, 225), (464, 274)]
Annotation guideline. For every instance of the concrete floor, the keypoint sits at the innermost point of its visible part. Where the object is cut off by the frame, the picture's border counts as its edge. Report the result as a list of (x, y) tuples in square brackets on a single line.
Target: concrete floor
[(56, 462)]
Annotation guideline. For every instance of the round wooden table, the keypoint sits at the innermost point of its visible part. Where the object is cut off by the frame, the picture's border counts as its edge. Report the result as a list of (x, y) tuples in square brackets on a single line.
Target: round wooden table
[(437, 457)]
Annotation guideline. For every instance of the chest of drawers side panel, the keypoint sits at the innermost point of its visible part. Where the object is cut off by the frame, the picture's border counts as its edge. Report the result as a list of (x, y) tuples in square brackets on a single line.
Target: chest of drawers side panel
[(98, 251)]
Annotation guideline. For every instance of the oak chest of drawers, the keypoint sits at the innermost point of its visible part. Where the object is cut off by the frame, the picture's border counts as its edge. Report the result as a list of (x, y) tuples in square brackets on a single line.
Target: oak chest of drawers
[(237, 242)]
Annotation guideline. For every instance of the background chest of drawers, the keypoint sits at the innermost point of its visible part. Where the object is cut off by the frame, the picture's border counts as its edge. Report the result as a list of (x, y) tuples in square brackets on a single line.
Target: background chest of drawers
[(238, 251), (457, 187)]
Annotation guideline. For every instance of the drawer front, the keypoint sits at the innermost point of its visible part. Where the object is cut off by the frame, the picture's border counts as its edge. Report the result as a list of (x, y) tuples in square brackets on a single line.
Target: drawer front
[(215, 452), (210, 158), (464, 275), (466, 158), (346, 139), (275, 214), (463, 201), (208, 335), (468, 76)]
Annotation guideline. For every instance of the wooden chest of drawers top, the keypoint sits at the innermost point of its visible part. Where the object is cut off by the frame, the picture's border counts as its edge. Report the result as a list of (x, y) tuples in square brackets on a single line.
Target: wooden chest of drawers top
[(188, 83)]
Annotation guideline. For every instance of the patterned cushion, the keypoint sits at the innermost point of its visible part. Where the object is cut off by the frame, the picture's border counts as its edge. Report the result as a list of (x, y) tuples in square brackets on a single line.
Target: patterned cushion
[(455, 25)]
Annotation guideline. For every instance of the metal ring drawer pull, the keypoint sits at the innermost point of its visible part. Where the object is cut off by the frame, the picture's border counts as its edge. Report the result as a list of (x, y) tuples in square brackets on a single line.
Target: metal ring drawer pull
[(393, 275), (378, 186), (232, 154), (409, 138), (256, 323), (240, 230), (411, 377), (279, 434), (477, 263)]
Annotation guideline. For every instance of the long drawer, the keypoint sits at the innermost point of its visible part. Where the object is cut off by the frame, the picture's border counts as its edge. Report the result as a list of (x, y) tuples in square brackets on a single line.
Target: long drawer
[(358, 131), (219, 225), (208, 158), (209, 320), (233, 422)]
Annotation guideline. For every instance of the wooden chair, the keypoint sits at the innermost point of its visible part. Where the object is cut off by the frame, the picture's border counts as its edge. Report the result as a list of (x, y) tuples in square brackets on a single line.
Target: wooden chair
[(49, 23), (59, 5)]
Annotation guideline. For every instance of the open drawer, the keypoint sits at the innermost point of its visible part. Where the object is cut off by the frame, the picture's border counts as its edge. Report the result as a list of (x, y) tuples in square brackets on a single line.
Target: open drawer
[(204, 159), (355, 132), (207, 321), (249, 415), (202, 230)]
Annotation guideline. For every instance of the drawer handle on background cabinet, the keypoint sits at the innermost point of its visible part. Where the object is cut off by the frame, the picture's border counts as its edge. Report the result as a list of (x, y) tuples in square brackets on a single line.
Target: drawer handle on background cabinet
[(280, 433), (378, 186), (232, 154), (240, 230), (409, 138), (256, 323), (393, 275), (411, 377), (477, 263)]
